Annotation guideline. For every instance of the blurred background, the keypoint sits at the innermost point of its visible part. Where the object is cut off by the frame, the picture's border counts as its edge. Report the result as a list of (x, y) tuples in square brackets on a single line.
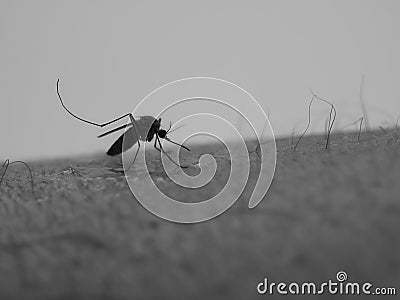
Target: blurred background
[(110, 54)]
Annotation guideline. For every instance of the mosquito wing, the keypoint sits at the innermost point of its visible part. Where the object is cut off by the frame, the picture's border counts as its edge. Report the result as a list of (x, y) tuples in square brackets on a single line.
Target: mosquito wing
[(129, 138), (123, 143)]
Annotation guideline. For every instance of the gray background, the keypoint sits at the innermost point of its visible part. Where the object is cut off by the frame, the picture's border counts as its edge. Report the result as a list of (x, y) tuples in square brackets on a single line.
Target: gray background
[(109, 55)]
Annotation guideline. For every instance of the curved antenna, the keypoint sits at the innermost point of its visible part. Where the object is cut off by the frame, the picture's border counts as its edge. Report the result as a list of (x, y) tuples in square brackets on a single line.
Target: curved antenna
[(170, 125)]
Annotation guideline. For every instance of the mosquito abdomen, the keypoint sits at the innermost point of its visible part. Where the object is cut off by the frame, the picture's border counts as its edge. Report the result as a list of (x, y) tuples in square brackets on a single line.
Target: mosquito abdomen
[(123, 143), (116, 148)]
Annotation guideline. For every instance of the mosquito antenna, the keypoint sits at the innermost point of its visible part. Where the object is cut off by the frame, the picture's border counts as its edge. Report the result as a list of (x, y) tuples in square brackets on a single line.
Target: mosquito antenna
[(83, 120), (7, 163), (175, 129), (170, 125)]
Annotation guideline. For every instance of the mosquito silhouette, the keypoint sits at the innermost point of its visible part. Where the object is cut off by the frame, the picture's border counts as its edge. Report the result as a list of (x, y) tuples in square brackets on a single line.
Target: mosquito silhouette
[(144, 128)]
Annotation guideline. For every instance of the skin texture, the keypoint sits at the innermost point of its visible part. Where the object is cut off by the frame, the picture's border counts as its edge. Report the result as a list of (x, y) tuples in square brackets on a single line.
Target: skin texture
[(85, 236)]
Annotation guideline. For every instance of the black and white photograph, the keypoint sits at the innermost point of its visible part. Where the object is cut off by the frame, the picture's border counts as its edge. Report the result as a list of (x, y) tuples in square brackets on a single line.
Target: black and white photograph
[(199, 149)]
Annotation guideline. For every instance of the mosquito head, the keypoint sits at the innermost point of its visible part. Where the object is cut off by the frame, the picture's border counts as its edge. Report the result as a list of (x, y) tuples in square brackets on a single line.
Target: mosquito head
[(162, 133)]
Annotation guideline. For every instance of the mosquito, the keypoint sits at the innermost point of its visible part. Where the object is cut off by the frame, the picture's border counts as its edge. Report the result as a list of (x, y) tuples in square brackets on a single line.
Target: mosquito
[(144, 128)]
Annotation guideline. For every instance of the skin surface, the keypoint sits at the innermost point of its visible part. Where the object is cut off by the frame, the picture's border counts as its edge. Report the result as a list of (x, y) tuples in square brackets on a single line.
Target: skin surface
[(86, 237)]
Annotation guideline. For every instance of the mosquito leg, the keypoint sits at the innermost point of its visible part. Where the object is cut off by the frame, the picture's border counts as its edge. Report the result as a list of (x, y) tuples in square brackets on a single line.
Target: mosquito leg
[(135, 128), (134, 124), (155, 145), (86, 121), (159, 150), (162, 150), (131, 164)]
